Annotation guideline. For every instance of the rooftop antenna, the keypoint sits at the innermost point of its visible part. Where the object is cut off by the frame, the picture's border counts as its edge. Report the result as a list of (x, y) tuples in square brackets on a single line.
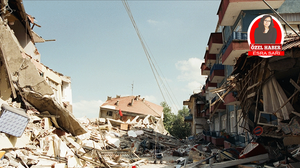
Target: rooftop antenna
[(132, 88)]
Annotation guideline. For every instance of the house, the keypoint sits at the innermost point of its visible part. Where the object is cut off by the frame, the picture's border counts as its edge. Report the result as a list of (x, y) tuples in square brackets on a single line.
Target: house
[(130, 106), (23, 77)]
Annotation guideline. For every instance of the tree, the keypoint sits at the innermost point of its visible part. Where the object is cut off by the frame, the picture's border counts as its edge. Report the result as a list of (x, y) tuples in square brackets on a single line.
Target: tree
[(168, 116), (181, 129), (184, 111), (175, 124)]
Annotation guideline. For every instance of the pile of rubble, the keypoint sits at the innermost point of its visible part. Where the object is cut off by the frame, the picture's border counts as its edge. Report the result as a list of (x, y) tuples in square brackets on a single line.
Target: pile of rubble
[(107, 143)]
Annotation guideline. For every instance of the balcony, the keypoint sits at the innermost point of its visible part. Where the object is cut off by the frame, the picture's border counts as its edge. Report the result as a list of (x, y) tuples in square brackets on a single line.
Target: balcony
[(217, 73), (210, 59), (188, 118), (236, 45), (230, 99), (215, 43), (204, 69), (230, 9), (209, 85), (221, 107)]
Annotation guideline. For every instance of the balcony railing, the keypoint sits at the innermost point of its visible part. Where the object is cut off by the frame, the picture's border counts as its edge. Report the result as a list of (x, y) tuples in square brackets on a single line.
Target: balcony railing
[(216, 67), (234, 36)]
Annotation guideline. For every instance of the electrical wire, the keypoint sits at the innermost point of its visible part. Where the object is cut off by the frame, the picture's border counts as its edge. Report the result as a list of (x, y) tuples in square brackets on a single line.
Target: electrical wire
[(151, 63)]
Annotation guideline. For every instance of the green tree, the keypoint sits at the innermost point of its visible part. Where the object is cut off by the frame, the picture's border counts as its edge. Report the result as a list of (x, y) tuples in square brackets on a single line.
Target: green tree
[(184, 111), (175, 124), (168, 116), (181, 129)]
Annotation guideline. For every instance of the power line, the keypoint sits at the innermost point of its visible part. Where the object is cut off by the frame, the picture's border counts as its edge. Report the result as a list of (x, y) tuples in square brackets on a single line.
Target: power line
[(151, 63)]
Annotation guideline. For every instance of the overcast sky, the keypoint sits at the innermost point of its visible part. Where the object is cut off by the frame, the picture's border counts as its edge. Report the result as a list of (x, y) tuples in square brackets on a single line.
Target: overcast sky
[(97, 46)]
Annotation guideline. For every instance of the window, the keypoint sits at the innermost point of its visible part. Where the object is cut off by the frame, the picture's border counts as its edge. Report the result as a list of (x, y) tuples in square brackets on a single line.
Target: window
[(109, 113), (54, 87), (238, 27), (198, 108), (232, 122), (268, 119), (217, 124), (226, 32), (41, 74), (224, 122)]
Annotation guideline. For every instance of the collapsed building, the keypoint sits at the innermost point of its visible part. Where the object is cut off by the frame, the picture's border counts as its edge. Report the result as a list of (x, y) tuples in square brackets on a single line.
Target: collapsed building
[(250, 100), (37, 126), (24, 79)]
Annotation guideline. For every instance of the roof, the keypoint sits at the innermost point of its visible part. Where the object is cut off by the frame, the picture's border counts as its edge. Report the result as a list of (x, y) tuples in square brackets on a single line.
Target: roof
[(292, 41), (289, 6), (139, 106)]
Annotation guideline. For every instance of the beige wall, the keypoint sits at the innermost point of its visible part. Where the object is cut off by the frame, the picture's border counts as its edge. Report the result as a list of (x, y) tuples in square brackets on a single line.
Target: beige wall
[(115, 115), (5, 90), (104, 112)]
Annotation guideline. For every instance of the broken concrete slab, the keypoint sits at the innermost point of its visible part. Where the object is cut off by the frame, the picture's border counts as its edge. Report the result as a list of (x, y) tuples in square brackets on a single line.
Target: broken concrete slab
[(19, 68), (8, 141), (66, 120)]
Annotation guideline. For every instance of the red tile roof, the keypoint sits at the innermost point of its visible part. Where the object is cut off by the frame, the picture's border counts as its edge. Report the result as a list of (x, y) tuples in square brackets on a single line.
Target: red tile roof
[(139, 106)]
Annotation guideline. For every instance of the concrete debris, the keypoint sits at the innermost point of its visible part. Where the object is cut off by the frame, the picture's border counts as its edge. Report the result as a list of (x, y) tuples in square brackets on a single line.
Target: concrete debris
[(66, 120), (104, 144)]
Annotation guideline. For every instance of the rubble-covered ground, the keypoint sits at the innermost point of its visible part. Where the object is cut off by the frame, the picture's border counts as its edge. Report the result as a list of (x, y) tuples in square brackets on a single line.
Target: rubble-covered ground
[(107, 143), (141, 142)]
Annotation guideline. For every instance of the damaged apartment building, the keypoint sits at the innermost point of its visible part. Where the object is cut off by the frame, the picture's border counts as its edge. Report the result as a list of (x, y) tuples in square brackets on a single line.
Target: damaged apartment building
[(245, 92), (129, 107), (25, 81)]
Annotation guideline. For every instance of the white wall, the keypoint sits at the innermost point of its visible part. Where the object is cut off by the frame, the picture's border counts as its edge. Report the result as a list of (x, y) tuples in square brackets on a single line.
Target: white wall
[(66, 91)]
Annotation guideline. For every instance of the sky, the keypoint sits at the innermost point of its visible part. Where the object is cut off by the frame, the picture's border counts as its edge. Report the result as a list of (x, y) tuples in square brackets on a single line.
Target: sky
[(97, 46)]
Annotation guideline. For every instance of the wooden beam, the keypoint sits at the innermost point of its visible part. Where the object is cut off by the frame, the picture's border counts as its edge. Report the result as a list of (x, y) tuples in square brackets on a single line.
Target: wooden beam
[(223, 95), (47, 115), (295, 84), (288, 100), (102, 160), (251, 95), (220, 97), (295, 99), (252, 86)]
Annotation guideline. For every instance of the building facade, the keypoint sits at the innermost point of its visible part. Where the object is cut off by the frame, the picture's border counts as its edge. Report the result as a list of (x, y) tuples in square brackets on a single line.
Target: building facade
[(128, 107), (225, 46), (20, 25)]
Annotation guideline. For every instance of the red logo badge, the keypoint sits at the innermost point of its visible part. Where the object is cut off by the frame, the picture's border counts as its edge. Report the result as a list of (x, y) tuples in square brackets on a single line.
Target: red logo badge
[(265, 37)]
